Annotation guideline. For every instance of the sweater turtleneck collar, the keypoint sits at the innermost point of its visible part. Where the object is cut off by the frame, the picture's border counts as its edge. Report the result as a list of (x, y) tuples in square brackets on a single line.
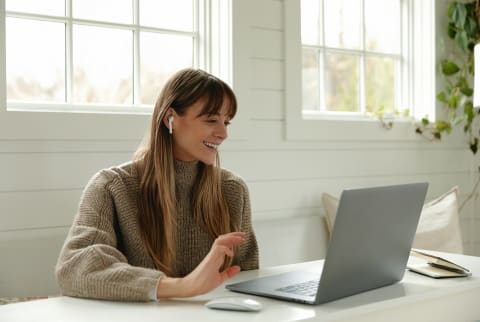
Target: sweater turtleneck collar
[(185, 173)]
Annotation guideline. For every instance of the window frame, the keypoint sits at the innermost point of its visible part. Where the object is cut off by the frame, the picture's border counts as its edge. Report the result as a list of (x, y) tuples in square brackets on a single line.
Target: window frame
[(51, 123), (354, 126)]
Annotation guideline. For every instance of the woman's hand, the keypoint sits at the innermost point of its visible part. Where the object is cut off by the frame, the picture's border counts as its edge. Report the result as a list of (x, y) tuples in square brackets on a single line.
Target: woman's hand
[(206, 276)]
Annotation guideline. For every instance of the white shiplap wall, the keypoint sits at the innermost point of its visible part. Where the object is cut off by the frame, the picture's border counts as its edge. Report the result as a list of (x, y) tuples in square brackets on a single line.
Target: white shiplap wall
[(42, 179)]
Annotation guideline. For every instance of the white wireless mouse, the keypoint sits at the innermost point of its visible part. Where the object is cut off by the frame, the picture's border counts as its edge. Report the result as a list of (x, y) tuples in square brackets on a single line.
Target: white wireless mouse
[(234, 303)]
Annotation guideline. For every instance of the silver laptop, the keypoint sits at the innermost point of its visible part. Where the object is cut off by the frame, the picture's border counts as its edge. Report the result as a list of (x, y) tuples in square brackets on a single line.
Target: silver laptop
[(369, 247)]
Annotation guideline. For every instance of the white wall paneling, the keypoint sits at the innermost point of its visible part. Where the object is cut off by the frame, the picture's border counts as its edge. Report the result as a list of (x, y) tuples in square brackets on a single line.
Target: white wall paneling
[(28, 261), (68, 170)]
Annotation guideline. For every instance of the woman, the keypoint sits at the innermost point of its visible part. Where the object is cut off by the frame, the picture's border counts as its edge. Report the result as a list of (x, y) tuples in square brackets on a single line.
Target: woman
[(171, 223)]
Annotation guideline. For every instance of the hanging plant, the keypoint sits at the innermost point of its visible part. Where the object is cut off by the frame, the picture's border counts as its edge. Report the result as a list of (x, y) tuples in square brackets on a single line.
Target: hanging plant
[(457, 95)]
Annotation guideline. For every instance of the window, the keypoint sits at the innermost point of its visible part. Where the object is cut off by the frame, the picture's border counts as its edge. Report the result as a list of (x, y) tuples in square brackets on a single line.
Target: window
[(352, 56), (80, 55), (346, 58)]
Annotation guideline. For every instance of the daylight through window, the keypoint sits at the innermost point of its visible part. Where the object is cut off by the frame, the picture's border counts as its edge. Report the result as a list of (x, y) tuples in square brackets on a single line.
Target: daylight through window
[(80, 54), (353, 55)]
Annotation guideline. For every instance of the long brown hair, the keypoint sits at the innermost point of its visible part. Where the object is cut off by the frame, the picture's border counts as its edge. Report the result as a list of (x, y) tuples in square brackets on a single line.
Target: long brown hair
[(155, 165)]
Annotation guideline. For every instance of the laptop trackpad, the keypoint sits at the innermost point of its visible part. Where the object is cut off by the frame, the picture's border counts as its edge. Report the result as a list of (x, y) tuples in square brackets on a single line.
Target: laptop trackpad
[(284, 284)]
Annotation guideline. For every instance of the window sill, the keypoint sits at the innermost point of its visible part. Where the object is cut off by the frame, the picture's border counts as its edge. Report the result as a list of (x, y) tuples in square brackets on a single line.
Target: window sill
[(352, 127), (351, 116), (79, 108)]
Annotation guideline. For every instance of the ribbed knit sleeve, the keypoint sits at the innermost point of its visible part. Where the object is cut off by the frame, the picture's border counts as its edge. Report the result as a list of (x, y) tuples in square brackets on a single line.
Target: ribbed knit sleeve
[(238, 198), (90, 263)]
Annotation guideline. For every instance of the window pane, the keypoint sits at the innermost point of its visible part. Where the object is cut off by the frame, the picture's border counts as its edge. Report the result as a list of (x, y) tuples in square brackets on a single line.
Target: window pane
[(176, 15), (341, 82), (102, 10), (380, 83), (35, 60), (343, 23), (102, 65), (310, 22), (47, 7), (382, 25), (311, 80), (160, 56)]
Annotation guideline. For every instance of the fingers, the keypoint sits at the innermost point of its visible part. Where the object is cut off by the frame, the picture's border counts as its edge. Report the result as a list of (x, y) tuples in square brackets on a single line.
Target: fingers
[(224, 250), (230, 239), (229, 272)]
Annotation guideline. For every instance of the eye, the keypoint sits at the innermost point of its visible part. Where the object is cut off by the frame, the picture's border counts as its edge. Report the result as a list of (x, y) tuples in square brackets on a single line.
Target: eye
[(227, 123)]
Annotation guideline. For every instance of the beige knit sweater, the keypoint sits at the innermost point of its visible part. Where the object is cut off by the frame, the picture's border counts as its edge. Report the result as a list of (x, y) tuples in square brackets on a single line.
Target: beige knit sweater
[(104, 256)]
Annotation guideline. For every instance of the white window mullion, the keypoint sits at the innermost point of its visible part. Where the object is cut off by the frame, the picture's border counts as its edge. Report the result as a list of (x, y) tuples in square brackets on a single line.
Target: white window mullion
[(361, 85), (201, 37), (221, 49), (404, 99), (407, 50), (321, 65), (361, 73), (3, 54), (69, 53), (321, 83), (136, 53)]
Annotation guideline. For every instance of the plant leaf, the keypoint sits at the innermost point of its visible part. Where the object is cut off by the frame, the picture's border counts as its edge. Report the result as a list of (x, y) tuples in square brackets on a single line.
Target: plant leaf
[(461, 39), (474, 146), (443, 126), (458, 119), (449, 67), (459, 14), (468, 110), (452, 102), (471, 28), (451, 30), (441, 97), (467, 91)]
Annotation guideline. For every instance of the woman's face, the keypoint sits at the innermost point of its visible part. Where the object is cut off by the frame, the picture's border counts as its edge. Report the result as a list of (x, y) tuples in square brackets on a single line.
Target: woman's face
[(197, 138)]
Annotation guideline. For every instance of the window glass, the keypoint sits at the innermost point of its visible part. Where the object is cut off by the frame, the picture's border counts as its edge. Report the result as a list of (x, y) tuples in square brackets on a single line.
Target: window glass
[(342, 82), (35, 58), (343, 23), (102, 65), (380, 84), (102, 10), (167, 14), (161, 55), (311, 79), (47, 7), (382, 31), (311, 27)]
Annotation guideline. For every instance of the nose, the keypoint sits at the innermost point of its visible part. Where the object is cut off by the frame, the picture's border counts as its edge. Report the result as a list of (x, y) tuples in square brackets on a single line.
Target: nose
[(221, 131)]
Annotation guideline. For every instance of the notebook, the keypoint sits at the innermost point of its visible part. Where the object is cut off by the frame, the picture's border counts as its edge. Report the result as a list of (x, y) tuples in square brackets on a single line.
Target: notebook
[(369, 247)]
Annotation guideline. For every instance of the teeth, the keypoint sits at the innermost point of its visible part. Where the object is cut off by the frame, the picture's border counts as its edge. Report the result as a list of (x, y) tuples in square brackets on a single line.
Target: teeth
[(214, 146)]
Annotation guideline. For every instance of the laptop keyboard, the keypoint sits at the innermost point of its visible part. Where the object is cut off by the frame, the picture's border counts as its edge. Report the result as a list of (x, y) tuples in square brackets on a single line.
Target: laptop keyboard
[(308, 288)]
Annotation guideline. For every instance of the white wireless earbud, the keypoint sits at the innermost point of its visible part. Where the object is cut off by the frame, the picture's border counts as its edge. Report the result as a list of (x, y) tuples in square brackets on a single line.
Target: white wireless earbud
[(170, 121)]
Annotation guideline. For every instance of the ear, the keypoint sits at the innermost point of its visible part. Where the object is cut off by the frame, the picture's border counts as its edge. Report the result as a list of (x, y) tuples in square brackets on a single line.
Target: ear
[(169, 113)]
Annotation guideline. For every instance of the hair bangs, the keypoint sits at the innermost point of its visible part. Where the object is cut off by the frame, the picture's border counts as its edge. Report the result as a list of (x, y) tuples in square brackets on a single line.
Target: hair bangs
[(217, 94)]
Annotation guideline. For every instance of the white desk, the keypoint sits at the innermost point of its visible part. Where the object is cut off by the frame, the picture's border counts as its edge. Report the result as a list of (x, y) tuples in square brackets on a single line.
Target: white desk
[(415, 298)]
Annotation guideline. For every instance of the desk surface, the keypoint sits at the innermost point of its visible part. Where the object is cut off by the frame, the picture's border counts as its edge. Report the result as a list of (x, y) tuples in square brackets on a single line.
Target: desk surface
[(415, 298)]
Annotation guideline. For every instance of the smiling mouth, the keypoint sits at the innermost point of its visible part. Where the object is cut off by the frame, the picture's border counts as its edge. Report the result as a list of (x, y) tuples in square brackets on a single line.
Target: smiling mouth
[(211, 145)]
